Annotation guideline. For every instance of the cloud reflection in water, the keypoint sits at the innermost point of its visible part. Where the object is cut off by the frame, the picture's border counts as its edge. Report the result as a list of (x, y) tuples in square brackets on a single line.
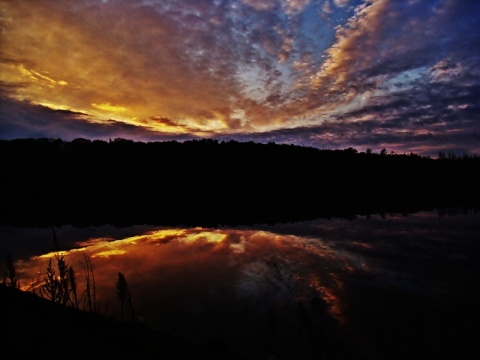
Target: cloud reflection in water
[(191, 280), (377, 273)]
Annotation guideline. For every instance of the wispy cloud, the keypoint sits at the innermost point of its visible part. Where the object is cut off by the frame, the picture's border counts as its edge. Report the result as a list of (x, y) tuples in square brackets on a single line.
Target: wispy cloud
[(243, 68)]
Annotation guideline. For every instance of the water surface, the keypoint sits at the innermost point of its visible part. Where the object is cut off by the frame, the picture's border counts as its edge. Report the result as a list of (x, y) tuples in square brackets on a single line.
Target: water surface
[(395, 287)]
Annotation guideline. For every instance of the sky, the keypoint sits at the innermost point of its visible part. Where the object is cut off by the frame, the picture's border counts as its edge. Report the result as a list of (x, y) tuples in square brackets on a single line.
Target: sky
[(403, 75)]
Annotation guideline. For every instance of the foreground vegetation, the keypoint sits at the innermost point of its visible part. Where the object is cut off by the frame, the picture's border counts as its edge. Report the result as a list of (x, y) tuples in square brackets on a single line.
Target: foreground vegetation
[(206, 182), (59, 285)]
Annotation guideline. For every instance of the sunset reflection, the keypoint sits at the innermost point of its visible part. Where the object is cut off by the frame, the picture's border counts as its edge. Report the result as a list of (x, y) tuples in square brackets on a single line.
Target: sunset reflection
[(178, 276), (276, 286)]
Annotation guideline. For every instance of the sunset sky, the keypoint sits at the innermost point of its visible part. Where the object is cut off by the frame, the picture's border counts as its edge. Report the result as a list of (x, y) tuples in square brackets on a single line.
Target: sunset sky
[(397, 74)]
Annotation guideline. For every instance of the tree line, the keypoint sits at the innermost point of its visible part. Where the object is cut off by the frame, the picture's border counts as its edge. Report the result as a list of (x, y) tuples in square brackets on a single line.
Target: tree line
[(219, 182)]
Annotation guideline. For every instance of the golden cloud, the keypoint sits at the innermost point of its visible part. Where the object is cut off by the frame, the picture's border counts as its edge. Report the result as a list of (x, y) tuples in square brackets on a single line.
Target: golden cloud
[(109, 59)]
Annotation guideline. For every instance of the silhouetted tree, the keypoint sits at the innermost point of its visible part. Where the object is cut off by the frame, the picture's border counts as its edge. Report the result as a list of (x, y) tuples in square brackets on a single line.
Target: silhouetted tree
[(452, 156), (50, 288), (58, 287), (73, 286), (90, 303), (12, 273), (122, 291), (63, 281)]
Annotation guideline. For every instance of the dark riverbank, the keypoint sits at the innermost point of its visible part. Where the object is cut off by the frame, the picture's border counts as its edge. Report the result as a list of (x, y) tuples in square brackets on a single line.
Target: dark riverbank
[(36, 328), (48, 182), (33, 327)]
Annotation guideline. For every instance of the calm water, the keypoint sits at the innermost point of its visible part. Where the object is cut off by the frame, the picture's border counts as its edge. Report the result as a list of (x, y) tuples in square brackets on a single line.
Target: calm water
[(396, 287)]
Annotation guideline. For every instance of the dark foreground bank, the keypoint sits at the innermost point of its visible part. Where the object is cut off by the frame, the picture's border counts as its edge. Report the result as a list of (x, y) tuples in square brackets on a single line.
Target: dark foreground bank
[(36, 328)]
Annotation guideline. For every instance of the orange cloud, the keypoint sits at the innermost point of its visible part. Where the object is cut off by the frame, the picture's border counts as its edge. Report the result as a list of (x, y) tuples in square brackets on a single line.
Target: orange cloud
[(110, 54)]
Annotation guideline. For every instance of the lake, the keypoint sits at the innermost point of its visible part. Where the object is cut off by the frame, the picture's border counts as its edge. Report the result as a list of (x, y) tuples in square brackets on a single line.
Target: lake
[(386, 287)]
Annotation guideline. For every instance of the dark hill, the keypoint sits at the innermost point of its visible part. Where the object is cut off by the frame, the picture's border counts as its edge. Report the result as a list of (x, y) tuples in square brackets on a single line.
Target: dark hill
[(206, 182)]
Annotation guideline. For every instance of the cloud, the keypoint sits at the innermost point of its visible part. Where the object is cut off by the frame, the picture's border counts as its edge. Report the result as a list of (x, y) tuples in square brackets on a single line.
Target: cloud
[(385, 38), (373, 134), (293, 7), (151, 60), (20, 119), (430, 118), (164, 62), (261, 5), (210, 68), (327, 8), (341, 3), (290, 7)]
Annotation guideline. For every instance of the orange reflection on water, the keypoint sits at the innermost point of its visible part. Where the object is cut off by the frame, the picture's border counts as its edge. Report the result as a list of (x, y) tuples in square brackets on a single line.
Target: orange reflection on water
[(175, 272)]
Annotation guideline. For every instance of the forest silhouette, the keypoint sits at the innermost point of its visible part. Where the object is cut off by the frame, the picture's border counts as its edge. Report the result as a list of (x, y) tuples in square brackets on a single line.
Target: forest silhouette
[(208, 183)]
